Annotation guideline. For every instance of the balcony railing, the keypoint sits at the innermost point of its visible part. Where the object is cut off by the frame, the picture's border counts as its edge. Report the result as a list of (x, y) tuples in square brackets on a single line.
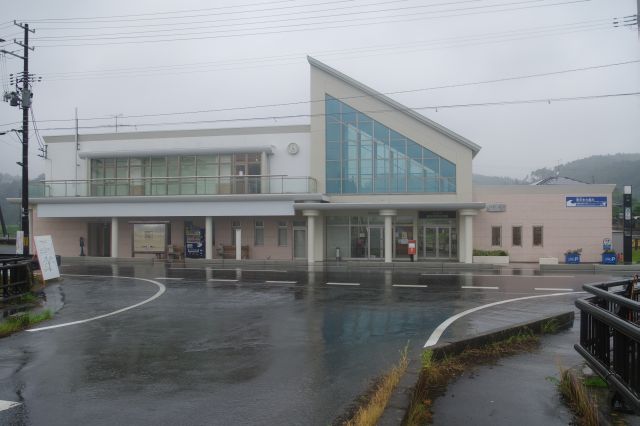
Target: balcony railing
[(182, 185)]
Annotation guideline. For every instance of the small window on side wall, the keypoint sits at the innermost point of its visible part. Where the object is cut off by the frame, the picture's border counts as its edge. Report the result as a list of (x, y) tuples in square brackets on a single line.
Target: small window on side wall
[(259, 233), (496, 236), (516, 236), (537, 236), (283, 238)]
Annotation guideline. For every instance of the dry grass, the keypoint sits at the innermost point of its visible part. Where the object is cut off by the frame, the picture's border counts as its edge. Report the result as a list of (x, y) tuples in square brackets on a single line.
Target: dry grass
[(577, 397), (369, 413), (436, 374)]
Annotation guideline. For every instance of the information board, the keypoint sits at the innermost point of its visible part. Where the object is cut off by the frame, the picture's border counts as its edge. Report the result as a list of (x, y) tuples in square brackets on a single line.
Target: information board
[(586, 201), (149, 237), (46, 257)]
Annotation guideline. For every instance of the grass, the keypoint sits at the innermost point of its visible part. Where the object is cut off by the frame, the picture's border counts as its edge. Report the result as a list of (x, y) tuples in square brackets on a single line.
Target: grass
[(437, 373), (369, 413), (636, 256), (19, 322), (575, 394), (550, 326)]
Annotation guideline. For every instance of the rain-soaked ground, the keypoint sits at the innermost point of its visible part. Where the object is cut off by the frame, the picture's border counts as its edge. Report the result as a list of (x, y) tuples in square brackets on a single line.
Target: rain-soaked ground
[(246, 346)]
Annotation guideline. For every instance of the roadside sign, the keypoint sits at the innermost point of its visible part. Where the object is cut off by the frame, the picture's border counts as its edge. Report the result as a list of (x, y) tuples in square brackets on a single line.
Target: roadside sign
[(412, 247), (46, 257)]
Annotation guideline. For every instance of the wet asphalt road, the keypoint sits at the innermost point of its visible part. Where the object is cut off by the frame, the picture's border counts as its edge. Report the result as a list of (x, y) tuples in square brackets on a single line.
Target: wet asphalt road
[(246, 347)]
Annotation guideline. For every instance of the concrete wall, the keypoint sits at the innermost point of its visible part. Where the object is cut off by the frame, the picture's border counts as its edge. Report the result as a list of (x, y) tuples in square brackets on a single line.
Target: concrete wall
[(564, 227)]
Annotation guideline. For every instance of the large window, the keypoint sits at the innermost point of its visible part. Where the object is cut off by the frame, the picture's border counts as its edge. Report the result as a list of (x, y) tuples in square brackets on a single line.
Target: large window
[(176, 175), (364, 156), (537, 236)]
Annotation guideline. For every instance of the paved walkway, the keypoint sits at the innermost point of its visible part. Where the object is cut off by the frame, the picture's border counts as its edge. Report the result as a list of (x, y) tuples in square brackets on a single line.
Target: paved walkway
[(517, 390)]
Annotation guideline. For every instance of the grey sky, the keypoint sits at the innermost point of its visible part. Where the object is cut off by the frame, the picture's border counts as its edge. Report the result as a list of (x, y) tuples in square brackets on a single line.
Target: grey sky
[(403, 46)]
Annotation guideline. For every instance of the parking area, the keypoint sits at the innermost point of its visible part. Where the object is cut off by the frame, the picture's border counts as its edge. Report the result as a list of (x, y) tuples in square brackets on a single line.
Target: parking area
[(143, 344)]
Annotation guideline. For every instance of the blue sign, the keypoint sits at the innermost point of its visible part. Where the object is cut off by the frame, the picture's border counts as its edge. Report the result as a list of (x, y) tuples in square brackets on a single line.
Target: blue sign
[(586, 201)]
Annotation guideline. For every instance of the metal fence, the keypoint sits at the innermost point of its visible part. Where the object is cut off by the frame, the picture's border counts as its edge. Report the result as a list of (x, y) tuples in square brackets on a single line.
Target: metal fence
[(15, 277), (610, 336)]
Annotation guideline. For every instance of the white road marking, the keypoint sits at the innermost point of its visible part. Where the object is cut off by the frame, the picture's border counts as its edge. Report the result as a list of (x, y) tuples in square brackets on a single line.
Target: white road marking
[(501, 275), (437, 333), (280, 282), (343, 283), (223, 280), (167, 278), (480, 287), (160, 292), (552, 289), (409, 285), (5, 405)]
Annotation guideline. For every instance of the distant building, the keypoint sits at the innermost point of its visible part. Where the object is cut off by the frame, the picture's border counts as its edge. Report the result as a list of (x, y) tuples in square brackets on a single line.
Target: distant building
[(366, 177)]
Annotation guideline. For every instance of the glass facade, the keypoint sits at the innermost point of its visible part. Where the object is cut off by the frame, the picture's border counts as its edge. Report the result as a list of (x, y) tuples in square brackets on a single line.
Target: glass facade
[(363, 156)]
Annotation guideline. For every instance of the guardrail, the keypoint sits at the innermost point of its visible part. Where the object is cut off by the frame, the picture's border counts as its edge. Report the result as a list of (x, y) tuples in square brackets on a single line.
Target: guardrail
[(15, 277), (180, 185), (610, 336)]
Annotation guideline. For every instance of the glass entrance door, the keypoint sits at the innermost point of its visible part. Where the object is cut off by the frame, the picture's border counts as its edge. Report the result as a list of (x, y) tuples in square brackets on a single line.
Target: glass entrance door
[(376, 242), (299, 243), (438, 242)]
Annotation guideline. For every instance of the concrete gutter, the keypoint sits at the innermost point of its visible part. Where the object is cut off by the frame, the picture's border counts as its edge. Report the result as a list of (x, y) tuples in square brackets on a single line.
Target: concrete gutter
[(398, 406)]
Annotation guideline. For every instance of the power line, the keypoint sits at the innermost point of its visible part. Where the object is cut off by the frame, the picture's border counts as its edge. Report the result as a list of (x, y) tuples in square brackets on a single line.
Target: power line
[(347, 23), (431, 107), (345, 98)]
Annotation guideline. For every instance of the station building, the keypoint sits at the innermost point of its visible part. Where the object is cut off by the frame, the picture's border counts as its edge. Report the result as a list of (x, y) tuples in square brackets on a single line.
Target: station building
[(364, 179)]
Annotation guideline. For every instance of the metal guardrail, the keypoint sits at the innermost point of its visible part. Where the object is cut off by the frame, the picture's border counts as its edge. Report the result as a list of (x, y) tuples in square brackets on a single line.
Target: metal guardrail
[(180, 185), (610, 336), (15, 277)]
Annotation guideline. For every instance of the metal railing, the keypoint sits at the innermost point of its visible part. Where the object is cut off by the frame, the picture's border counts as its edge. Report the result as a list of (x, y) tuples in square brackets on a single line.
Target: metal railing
[(15, 277), (610, 336), (180, 185)]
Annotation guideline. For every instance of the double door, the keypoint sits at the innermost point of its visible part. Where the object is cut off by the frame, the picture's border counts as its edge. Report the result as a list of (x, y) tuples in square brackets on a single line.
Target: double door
[(367, 242), (440, 242)]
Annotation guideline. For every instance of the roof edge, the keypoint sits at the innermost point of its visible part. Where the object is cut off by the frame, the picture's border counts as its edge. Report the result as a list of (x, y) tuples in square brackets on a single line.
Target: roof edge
[(475, 148)]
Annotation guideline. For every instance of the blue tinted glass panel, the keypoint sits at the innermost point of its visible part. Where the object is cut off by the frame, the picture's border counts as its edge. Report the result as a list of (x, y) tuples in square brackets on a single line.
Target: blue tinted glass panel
[(364, 156), (333, 170)]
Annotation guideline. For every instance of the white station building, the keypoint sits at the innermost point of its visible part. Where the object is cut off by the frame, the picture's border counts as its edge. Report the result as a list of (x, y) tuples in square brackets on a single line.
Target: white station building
[(365, 179)]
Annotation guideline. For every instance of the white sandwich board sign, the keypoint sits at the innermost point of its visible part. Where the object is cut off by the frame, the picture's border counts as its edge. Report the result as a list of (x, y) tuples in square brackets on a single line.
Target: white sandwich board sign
[(46, 257)]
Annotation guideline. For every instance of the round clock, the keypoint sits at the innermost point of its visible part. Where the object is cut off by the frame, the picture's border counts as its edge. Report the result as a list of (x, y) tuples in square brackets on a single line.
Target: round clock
[(293, 148)]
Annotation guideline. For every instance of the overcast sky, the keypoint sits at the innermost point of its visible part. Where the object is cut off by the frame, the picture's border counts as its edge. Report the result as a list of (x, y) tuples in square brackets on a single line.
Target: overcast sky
[(133, 58)]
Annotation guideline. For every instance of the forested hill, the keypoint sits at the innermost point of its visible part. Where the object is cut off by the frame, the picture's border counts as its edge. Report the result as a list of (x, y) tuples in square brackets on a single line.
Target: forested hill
[(621, 169)]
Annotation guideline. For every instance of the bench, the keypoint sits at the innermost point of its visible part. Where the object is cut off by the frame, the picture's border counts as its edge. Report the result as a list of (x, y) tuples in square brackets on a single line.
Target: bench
[(229, 252)]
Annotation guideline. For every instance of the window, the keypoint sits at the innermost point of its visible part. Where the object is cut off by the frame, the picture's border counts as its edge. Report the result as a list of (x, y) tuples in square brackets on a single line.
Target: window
[(282, 234), (537, 236), (364, 156), (496, 235), (258, 235), (516, 236), (235, 224)]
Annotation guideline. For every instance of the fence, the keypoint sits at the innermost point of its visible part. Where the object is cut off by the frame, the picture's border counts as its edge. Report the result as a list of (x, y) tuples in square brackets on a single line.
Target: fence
[(610, 336), (15, 277)]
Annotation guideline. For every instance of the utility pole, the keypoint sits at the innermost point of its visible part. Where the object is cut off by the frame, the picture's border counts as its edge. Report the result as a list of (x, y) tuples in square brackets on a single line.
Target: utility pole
[(24, 101)]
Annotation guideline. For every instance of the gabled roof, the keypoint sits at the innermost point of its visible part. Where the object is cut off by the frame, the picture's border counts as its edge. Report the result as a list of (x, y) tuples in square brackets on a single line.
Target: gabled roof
[(559, 180), (475, 148)]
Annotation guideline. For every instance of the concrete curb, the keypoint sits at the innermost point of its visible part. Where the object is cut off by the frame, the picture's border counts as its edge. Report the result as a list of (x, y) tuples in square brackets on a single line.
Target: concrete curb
[(398, 405), (591, 267)]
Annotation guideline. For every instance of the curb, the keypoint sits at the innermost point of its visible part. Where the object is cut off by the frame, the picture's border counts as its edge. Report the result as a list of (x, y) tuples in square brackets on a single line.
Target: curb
[(398, 405)]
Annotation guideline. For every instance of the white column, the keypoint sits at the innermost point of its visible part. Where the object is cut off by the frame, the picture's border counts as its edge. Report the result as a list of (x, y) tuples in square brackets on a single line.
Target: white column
[(311, 234), (114, 237), (461, 251), (208, 238), (467, 216), (238, 244), (388, 234)]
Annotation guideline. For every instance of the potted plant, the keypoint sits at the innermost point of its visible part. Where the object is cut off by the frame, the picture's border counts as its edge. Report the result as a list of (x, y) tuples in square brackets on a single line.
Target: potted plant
[(609, 257), (500, 257), (572, 256)]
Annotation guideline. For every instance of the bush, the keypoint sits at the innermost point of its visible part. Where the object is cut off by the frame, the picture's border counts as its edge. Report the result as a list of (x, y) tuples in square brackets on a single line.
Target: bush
[(477, 252)]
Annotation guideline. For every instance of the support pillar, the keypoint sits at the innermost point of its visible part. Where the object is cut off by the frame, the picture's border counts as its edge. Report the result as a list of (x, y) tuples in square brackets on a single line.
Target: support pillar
[(311, 234), (238, 244), (208, 238), (114, 237), (461, 249), (388, 234), (467, 225)]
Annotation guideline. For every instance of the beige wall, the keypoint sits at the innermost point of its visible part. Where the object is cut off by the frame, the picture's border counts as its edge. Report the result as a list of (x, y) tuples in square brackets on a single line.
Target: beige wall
[(323, 83), (65, 233), (564, 227)]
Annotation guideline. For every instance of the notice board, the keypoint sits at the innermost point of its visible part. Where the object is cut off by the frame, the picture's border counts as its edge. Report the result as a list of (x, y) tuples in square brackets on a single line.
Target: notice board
[(46, 257)]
